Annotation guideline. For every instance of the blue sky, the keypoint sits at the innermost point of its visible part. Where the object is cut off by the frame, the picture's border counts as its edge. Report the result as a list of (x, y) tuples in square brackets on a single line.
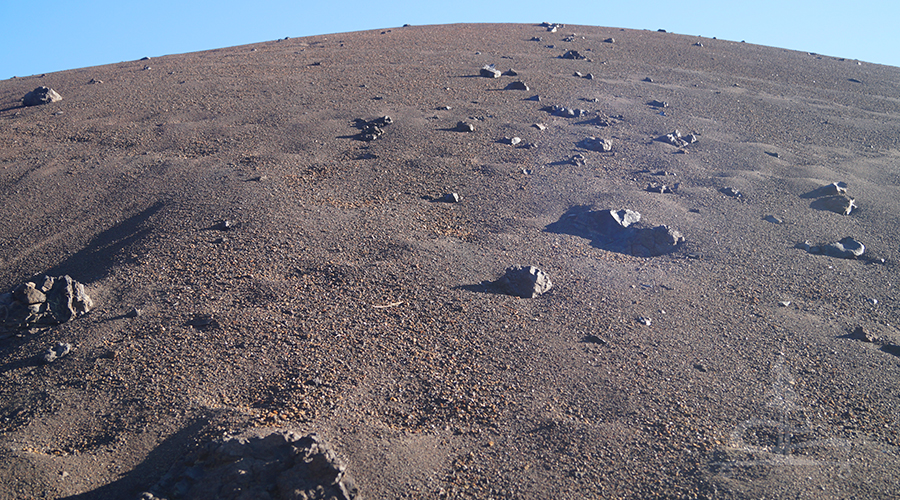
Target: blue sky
[(55, 35)]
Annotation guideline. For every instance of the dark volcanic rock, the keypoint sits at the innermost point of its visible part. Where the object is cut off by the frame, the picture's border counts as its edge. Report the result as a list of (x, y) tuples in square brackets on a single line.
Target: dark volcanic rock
[(841, 204), (572, 54), (618, 231), (517, 86), (282, 465), (41, 95), (51, 302), (524, 281)]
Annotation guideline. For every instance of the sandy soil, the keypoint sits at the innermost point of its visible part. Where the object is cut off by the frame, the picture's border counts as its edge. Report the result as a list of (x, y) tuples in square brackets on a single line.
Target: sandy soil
[(344, 300)]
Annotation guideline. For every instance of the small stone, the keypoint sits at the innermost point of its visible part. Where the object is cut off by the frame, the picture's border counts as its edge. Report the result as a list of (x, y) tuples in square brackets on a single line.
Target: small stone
[(510, 72), (784, 303), (698, 44), (566, 112), (648, 79), (59, 350), (595, 144), (540, 126), (465, 127), (732, 192), (772, 219), (450, 198), (225, 225), (535, 98), (577, 74), (658, 104), (861, 333), (593, 339), (515, 140), (94, 81), (578, 160), (572, 54), (133, 313), (490, 71), (833, 189), (516, 86), (41, 95), (701, 367), (773, 154), (645, 321), (589, 76), (28, 294), (525, 281), (656, 187), (610, 40), (841, 204), (846, 248)]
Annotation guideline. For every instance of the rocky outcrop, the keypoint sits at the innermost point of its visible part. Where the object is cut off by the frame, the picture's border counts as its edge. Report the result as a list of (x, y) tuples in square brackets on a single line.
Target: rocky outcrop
[(48, 301)]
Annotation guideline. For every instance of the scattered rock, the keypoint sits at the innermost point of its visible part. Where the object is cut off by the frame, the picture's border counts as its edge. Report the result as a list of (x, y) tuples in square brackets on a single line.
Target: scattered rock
[(658, 104), (578, 160), (589, 76), (595, 144), (49, 302), (490, 72), (676, 139), (373, 129), (450, 198), (552, 27), (56, 352), (656, 187), (610, 40), (41, 95), (535, 98), (698, 44), (282, 465), (773, 154), (593, 339), (515, 140), (732, 192), (465, 127), (619, 231), (540, 126), (645, 321), (537, 39), (648, 79), (565, 112), (572, 54), (516, 86), (701, 367), (524, 281), (861, 333), (841, 204), (94, 81), (772, 219), (226, 225), (784, 303), (577, 74), (846, 248), (833, 189), (510, 72), (134, 313)]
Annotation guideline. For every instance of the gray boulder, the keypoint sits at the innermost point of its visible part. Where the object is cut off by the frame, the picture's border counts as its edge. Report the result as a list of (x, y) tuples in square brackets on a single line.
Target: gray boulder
[(524, 281), (595, 144), (41, 95), (846, 248), (48, 302)]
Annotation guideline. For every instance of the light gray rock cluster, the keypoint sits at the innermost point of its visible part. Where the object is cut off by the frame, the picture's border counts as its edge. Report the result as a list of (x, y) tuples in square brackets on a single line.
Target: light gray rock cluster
[(48, 301), (834, 198), (676, 139)]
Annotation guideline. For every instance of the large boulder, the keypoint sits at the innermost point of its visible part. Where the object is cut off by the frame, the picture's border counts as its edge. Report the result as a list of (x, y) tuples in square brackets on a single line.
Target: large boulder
[(47, 302), (41, 95)]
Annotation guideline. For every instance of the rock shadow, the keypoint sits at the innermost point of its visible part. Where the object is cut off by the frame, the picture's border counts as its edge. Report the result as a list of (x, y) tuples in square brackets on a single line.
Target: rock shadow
[(617, 231), (157, 463), (95, 260)]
